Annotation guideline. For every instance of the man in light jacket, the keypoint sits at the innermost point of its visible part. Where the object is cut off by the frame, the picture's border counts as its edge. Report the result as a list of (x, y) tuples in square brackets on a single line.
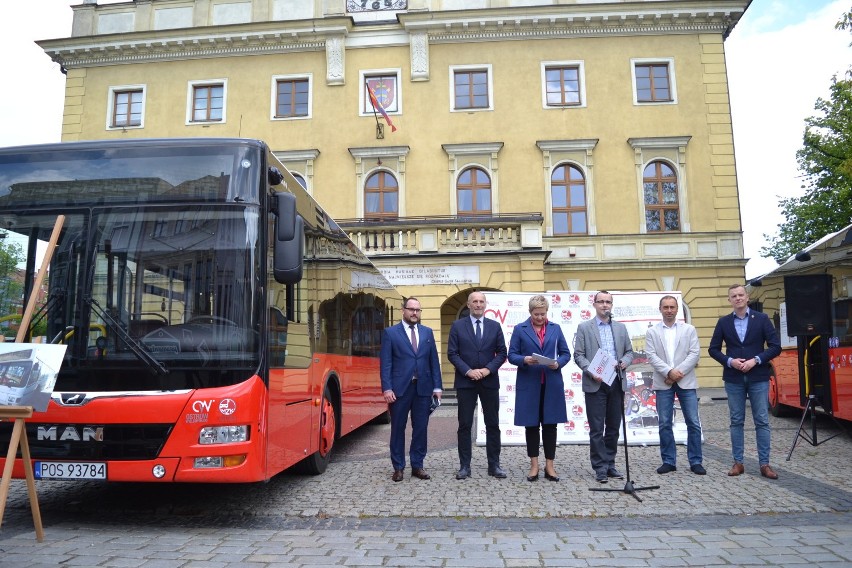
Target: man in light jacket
[(673, 350)]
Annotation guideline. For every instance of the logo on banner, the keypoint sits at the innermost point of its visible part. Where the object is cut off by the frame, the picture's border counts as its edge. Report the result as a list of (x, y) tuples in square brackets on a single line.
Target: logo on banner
[(555, 300), (586, 426), (577, 410), (576, 378), (585, 314), (574, 299), (569, 395), (510, 388), (569, 426), (566, 315)]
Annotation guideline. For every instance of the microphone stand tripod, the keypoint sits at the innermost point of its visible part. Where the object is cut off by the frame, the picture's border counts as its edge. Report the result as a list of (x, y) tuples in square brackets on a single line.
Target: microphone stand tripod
[(629, 488)]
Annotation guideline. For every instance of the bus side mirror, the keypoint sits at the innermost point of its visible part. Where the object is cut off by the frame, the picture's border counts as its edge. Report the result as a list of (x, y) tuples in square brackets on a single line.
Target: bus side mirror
[(289, 254), (274, 176), (284, 207)]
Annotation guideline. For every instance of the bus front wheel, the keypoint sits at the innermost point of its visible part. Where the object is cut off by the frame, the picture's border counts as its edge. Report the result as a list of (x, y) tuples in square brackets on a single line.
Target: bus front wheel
[(317, 463)]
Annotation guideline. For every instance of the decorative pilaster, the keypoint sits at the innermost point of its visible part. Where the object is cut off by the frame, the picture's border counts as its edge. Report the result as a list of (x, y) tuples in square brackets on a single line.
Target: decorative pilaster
[(335, 58)]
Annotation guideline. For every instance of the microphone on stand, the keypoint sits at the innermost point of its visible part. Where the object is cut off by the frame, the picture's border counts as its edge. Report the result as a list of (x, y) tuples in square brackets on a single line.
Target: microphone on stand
[(608, 315)]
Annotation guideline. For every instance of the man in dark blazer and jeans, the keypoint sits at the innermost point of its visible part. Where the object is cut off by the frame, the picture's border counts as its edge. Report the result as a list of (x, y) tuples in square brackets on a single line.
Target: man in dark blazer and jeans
[(750, 343), (477, 350)]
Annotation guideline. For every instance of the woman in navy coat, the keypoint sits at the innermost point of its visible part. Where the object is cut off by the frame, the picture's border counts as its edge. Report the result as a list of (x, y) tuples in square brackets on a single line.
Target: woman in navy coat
[(539, 389)]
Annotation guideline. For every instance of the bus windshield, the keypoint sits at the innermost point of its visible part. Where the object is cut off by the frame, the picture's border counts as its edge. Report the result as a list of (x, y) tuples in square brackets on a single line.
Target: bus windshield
[(147, 297)]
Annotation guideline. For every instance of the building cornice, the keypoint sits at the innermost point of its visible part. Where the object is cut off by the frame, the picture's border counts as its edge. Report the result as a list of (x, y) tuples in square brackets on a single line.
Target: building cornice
[(460, 26), (577, 20), (195, 43)]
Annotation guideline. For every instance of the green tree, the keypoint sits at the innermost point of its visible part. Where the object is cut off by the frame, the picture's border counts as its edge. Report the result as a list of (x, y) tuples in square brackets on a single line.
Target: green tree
[(10, 286), (826, 161)]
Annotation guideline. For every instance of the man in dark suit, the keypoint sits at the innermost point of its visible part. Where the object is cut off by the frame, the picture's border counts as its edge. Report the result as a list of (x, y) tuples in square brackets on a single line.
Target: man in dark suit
[(604, 403), (477, 349), (411, 376), (750, 343)]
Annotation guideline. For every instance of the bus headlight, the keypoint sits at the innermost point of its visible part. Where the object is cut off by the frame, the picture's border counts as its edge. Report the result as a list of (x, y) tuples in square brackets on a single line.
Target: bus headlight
[(223, 434)]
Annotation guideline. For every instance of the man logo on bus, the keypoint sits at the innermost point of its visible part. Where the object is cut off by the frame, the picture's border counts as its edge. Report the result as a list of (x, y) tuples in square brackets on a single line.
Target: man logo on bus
[(227, 406)]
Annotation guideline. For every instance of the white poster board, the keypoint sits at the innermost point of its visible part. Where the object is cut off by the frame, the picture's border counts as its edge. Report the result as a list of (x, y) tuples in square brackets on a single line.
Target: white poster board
[(28, 373), (636, 310)]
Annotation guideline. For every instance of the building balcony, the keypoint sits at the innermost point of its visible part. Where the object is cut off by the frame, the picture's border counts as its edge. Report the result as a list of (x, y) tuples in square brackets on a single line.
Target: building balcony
[(446, 234)]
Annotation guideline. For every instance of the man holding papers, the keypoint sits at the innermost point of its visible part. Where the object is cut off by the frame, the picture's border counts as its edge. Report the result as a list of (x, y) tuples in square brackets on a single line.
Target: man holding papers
[(600, 346)]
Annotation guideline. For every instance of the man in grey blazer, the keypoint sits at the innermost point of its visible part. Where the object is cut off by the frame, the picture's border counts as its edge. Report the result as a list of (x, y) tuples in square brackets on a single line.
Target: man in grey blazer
[(673, 350), (604, 403)]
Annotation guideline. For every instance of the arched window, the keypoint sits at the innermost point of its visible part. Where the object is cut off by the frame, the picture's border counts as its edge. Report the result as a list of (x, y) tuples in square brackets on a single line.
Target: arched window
[(300, 179), (381, 196), (568, 196), (661, 202), (473, 189)]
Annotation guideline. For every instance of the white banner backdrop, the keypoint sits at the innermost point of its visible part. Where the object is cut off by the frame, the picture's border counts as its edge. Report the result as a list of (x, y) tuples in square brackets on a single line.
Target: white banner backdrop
[(638, 311)]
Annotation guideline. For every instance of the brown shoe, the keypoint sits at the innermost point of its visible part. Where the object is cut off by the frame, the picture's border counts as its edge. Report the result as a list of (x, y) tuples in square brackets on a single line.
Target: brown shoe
[(737, 469), (397, 475), (767, 471), (420, 473)]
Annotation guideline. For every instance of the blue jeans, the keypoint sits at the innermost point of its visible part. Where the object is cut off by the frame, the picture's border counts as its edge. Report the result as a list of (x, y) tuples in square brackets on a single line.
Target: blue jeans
[(665, 411), (758, 395)]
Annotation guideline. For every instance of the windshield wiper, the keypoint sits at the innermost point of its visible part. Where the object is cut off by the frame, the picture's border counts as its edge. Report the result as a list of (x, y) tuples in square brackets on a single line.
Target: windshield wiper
[(134, 345)]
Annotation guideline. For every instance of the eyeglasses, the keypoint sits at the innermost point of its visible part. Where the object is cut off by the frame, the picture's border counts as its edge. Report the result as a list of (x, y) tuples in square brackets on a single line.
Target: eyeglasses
[(603, 301), (414, 309)]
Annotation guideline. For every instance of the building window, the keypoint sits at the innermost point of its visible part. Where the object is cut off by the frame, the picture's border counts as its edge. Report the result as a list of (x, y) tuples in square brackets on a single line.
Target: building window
[(662, 213), (473, 191), (127, 110), (568, 195), (300, 180), (381, 196), (126, 107), (385, 86), (292, 97), (653, 82), (563, 85), (207, 102), (471, 88)]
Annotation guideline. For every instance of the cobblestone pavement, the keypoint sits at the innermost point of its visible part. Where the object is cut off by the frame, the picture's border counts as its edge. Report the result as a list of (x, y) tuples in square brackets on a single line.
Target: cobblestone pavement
[(354, 515)]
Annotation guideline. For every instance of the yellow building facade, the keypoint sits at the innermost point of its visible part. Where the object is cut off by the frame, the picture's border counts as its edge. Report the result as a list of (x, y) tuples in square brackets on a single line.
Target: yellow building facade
[(538, 145)]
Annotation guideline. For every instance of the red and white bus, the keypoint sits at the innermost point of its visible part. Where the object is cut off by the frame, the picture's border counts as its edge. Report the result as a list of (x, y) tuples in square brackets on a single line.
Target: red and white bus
[(829, 262), (220, 327)]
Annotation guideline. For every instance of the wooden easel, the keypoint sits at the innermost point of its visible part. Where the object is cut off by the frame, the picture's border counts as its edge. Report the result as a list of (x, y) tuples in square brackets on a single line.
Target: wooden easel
[(19, 438), (19, 413)]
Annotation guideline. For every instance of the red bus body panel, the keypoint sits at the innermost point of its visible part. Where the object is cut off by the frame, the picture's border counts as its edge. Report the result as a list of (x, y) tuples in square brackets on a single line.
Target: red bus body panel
[(283, 420), (787, 380)]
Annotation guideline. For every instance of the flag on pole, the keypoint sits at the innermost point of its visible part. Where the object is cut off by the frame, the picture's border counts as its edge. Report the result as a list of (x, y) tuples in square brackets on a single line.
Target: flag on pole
[(377, 106)]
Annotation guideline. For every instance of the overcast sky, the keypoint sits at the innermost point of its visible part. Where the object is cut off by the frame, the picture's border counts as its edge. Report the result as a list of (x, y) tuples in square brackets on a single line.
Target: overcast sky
[(781, 57)]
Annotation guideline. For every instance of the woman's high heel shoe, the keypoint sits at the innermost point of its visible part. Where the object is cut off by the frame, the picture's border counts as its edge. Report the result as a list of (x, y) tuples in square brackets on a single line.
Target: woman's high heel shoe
[(533, 477), (549, 477)]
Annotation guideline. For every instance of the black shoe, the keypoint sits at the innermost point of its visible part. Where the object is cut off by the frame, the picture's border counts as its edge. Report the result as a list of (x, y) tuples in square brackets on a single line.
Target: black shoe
[(496, 471), (549, 477), (697, 469), (667, 468), (463, 472), (601, 477), (533, 477), (612, 472)]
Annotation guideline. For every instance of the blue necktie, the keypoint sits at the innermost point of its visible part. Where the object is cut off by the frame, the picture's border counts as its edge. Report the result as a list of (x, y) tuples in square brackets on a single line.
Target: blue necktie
[(478, 331)]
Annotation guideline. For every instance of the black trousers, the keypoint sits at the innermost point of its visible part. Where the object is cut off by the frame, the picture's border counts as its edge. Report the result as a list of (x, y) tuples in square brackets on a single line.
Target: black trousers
[(490, 399), (548, 435), (603, 410)]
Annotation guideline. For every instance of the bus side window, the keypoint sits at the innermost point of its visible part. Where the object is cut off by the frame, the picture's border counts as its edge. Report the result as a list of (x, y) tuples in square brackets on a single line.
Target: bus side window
[(277, 337), (842, 329)]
